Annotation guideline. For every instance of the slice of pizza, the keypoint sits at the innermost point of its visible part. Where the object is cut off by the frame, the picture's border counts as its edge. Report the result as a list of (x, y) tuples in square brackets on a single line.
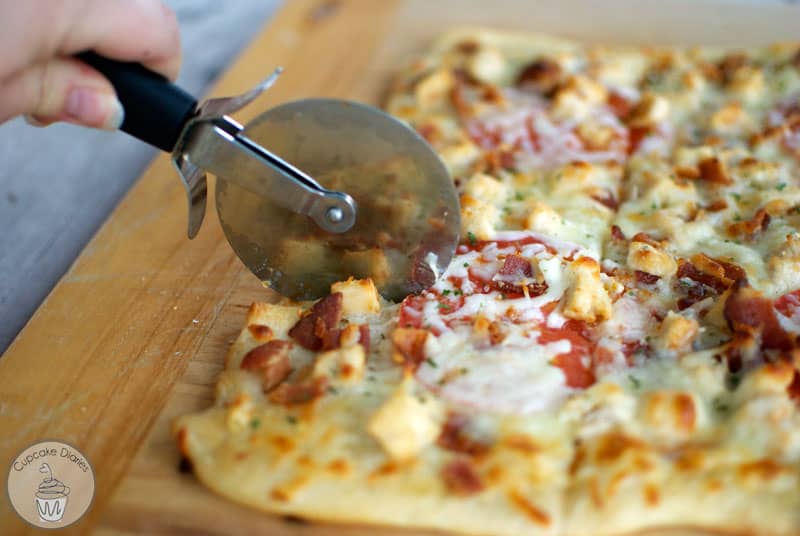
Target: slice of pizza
[(614, 347)]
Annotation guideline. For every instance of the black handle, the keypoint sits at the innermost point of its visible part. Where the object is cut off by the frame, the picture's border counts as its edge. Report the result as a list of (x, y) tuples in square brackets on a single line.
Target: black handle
[(155, 109)]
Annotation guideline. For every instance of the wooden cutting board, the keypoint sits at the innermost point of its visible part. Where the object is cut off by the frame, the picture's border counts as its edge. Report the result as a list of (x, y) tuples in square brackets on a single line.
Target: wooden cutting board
[(135, 332)]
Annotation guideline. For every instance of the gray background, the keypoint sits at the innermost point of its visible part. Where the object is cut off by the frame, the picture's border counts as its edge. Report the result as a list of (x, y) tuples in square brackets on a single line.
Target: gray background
[(58, 185)]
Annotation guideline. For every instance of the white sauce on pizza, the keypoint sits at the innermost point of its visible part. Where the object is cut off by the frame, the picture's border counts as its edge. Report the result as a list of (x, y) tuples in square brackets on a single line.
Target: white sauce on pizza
[(515, 377)]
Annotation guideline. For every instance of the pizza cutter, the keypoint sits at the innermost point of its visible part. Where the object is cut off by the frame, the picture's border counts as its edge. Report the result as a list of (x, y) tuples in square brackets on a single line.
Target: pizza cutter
[(309, 193)]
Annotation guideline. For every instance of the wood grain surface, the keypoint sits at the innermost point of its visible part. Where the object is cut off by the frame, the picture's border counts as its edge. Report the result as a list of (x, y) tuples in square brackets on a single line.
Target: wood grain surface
[(136, 331)]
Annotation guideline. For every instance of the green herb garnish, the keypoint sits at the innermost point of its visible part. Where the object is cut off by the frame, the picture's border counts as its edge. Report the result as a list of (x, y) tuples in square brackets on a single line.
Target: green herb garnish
[(635, 382), (732, 381), (720, 406)]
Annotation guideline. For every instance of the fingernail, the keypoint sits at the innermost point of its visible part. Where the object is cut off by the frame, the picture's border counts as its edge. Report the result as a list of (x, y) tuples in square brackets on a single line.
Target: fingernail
[(93, 108), (117, 115), (32, 121)]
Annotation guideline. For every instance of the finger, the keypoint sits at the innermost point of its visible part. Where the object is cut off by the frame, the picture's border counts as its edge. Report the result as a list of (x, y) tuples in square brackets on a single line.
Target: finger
[(62, 89), (144, 31)]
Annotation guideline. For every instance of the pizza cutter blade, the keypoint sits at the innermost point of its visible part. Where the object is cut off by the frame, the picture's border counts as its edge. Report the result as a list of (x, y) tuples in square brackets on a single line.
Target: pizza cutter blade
[(405, 229), (309, 193)]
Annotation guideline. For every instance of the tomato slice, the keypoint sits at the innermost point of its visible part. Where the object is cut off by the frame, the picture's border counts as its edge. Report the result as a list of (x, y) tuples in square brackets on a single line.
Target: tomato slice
[(411, 312), (789, 303), (577, 373)]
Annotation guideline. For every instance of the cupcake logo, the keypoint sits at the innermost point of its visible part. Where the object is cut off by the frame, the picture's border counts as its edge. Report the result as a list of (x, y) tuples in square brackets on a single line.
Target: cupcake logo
[(51, 497), (51, 484)]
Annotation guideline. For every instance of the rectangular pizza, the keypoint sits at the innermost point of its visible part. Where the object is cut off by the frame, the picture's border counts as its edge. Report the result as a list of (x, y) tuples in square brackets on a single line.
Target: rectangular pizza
[(613, 349)]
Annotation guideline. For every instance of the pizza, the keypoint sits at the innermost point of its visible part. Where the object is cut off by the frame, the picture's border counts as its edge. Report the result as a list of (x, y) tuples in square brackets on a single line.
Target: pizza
[(614, 347)]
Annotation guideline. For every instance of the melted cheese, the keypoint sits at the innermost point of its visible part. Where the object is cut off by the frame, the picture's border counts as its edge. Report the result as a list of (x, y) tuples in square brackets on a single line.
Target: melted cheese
[(514, 378)]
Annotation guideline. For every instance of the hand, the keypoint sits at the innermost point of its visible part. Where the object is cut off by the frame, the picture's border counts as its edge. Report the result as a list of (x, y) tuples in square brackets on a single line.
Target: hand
[(39, 78)]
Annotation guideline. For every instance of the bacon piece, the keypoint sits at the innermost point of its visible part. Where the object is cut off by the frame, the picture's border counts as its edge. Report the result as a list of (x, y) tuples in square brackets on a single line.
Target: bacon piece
[(461, 478), (710, 71), (793, 389), (260, 332), (644, 277), (463, 76), (429, 131), (454, 437), (751, 228), (692, 298), (335, 338), (619, 104), (543, 76), (533, 135), (796, 60), (485, 330), (748, 311), (716, 205), (732, 271), (423, 274), (493, 94), (459, 102), (713, 170), (647, 239), (313, 331), (515, 270), (331, 339), (733, 352), (271, 361), (607, 200), (498, 159), (300, 392), (687, 172), (468, 47), (715, 273), (690, 271), (730, 64), (703, 276), (497, 333), (635, 137), (743, 348), (483, 136), (409, 345), (363, 336)]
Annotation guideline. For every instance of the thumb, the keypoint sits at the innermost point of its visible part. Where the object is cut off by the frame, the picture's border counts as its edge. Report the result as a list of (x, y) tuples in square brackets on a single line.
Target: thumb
[(62, 89)]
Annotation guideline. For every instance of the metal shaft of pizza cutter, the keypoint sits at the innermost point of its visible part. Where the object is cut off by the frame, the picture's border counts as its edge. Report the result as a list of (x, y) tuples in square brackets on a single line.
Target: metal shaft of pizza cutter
[(219, 147)]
